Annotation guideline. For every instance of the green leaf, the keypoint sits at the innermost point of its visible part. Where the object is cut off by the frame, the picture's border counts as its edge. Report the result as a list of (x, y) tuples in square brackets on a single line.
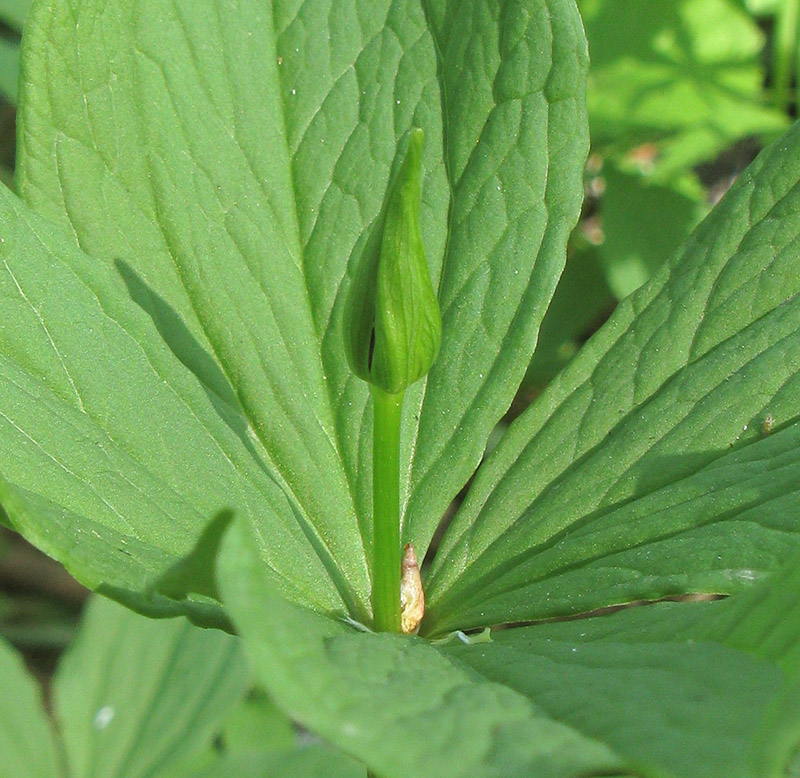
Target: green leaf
[(581, 301), (512, 86), (13, 14), (397, 703), (644, 470), (26, 738), (233, 158), (257, 724), (190, 574), (685, 71), (254, 726), (100, 424), (133, 695), (695, 690)]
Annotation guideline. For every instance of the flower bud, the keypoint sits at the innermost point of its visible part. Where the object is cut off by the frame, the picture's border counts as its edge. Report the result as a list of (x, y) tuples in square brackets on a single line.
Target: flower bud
[(393, 327)]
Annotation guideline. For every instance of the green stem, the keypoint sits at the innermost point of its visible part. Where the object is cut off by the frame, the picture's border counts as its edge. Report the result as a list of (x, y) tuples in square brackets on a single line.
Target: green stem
[(783, 55), (386, 510)]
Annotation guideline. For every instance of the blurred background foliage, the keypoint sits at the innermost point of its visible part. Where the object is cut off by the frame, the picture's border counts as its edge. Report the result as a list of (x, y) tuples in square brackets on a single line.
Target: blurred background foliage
[(682, 96)]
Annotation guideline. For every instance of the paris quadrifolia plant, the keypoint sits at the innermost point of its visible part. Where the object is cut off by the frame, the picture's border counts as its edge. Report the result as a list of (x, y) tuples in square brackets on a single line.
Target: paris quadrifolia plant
[(256, 335), (393, 330)]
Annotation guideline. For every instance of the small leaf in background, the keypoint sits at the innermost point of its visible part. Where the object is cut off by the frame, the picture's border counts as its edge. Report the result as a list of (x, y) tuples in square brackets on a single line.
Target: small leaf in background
[(581, 302), (12, 14), (131, 697), (133, 694), (27, 743), (256, 724), (314, 761)]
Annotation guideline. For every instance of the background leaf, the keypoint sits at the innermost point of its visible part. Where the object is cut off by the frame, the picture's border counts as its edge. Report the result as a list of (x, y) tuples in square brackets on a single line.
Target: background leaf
[(132, 695), (12, 14), (686, 70), (644, 222), (644, 471), (26, 739), (309, 762)]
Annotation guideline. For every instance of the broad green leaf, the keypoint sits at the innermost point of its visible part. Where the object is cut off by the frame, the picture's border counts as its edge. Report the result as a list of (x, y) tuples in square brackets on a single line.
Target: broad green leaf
[(234, 158), (399, 704), (515, 146), (688, 71), (672, 687), (132, 695), (644, 470), (27, 744), (100, 425)]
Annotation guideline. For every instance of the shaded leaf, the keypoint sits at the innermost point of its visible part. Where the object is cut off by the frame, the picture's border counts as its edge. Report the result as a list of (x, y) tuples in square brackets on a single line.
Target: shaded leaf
[(308, 762), (687, 71), (132, 695), (26, 737), (644, 222), (14, 12)]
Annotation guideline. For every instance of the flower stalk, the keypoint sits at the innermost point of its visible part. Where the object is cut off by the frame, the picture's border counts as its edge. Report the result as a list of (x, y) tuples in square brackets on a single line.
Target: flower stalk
[(387, 410), (392, 332)]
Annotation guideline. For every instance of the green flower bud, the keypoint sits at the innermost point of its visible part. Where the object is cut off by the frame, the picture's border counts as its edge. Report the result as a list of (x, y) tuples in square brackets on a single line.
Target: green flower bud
[(393, 327)]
